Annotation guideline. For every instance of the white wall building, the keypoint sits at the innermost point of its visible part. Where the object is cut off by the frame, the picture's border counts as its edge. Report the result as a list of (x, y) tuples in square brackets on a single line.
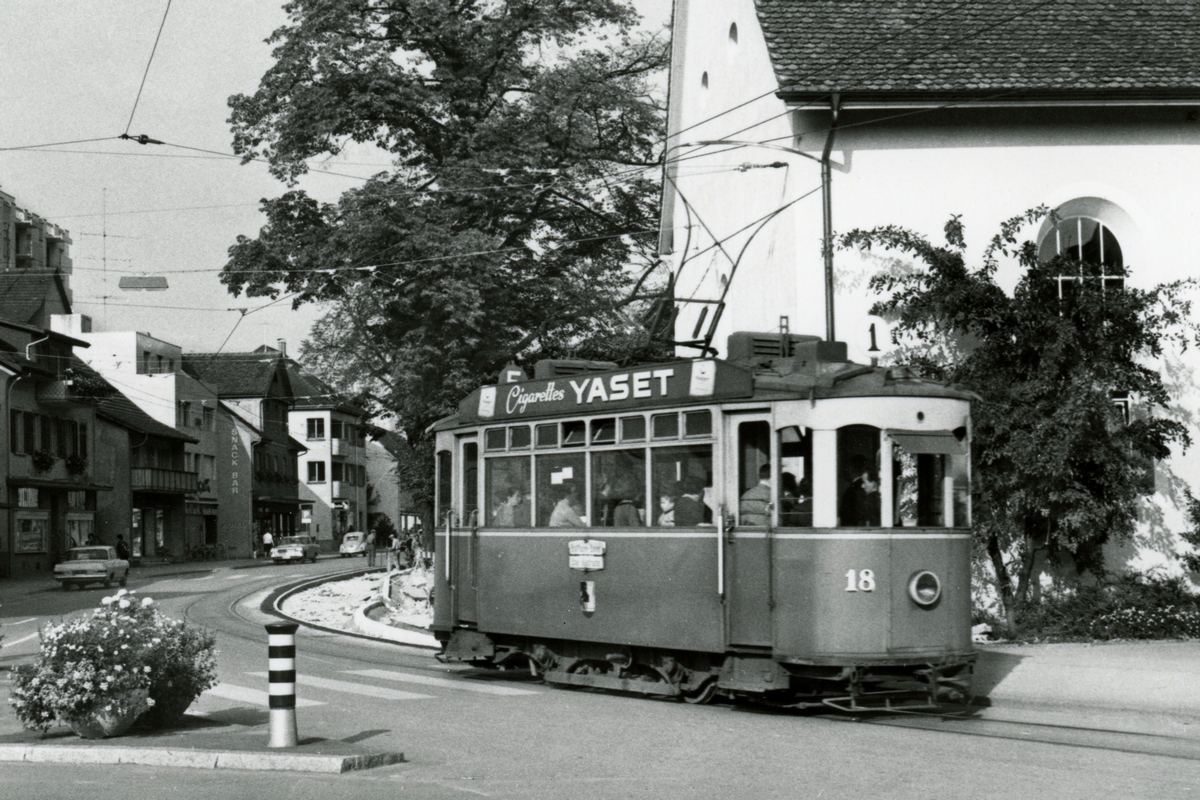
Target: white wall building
[(924, 111)]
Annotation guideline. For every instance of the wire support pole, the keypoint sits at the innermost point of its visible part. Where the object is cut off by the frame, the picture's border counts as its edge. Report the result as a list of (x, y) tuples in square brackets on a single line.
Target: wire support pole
[(827, 218)]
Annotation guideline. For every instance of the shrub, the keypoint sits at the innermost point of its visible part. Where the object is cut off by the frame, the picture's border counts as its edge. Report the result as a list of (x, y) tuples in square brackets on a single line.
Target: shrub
[(1132, 607), (97, 662)]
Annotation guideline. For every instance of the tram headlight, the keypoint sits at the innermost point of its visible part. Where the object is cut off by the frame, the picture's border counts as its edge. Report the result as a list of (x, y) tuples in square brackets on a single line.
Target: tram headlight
[(924, 588)]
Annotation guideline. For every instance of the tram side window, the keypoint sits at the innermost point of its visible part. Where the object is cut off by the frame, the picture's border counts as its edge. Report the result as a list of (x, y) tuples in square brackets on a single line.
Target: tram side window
[(795, 478), (858, 476), (445, 478), (506, 486), (681, 486), (560, 490), (619, 488), (470, 488), (754, 474)]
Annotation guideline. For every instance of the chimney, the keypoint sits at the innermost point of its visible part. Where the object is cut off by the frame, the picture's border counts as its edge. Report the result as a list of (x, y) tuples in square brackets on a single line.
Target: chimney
[(281, 346)]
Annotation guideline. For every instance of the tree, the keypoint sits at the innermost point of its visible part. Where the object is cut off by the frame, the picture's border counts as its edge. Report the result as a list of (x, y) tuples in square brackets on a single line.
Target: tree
[(1058, 467), (517, 220)]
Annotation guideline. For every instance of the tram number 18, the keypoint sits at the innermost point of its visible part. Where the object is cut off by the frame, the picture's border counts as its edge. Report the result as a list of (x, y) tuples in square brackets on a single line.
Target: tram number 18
[(862, 580)]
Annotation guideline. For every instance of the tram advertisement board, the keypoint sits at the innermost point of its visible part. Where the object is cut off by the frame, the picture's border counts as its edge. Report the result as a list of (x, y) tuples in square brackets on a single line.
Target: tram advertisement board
[(672, 383)]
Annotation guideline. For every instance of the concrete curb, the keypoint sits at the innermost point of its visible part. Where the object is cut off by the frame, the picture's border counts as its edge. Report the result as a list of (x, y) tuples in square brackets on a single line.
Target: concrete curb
[(380, 630), (196, 759)]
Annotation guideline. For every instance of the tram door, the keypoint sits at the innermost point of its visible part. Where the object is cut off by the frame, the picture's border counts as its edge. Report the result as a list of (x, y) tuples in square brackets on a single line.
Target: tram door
[(748, 546), (465, 544)]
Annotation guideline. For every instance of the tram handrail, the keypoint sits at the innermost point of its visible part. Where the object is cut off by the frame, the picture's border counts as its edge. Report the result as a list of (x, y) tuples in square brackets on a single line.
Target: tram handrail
[(770, 556), (721, 551)]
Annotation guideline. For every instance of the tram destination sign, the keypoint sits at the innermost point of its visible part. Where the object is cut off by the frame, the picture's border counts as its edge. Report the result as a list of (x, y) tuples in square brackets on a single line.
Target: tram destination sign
[(666, 384)]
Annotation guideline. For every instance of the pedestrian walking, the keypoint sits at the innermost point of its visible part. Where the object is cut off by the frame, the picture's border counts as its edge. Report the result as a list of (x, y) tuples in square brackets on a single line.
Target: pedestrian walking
[(268, 541), (371, 548)]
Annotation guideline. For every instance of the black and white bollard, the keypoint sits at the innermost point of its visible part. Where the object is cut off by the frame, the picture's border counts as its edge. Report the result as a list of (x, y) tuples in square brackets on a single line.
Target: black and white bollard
[(281, 689)]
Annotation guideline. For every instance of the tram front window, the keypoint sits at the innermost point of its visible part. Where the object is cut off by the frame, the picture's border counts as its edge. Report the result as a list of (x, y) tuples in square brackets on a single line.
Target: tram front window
[(619, 488), (681, 483), (507, 488), (858, 477), (929, 478)]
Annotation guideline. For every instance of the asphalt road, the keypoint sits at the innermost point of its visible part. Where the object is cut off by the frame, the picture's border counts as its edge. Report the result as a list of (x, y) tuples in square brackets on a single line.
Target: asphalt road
[(467, 733)]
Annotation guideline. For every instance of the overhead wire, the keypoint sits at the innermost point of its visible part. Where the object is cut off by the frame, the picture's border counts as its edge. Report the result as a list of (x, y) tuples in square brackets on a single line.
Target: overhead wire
[(146, 72)]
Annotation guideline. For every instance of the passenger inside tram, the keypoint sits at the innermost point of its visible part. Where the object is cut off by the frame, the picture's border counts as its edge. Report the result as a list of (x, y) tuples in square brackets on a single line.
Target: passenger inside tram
[(690, 510), (859, 504), (755, 504)]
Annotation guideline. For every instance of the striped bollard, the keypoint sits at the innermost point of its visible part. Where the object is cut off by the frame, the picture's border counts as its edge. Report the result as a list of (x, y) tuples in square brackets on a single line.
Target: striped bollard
[(281, 690)]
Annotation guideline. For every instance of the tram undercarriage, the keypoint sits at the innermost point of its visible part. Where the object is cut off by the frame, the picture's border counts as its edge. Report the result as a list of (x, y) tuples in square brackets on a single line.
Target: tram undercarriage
[(702, 677)]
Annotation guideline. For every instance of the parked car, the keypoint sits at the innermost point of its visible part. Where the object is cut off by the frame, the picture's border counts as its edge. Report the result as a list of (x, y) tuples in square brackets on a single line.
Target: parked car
[(95, 564), (295, 548), (354, 543)]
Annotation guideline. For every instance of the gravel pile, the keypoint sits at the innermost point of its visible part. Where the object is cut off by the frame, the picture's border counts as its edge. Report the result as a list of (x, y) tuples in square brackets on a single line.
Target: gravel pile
[(334, 604)]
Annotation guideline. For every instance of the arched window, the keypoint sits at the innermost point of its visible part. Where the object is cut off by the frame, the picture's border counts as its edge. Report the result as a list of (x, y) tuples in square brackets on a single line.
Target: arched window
[(1090, 241)]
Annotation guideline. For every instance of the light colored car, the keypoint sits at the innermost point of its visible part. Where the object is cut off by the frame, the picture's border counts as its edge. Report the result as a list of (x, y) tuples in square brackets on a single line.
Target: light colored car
[(295, 548), (354, 543), (95, 564)]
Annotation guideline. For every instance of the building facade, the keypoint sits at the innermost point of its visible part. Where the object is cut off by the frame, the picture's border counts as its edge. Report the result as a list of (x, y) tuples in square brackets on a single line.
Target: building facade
[(791, 120)]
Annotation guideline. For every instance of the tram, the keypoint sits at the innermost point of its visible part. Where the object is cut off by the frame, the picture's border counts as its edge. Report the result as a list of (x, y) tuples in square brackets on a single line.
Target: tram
[(782, 524)]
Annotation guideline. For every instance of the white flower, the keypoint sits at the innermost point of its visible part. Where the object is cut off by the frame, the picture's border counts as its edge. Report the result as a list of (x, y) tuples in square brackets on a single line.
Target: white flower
[(117, 668), (122, 592), (147, 601), (107, 601), (146, 668), (123, 603)]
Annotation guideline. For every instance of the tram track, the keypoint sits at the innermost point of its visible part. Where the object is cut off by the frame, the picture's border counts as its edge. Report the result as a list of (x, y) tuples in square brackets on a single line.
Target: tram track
[(972, 724), (235, 623)]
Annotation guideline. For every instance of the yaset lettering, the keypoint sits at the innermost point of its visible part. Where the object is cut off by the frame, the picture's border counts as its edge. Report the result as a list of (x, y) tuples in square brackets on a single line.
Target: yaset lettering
[(637, 385)]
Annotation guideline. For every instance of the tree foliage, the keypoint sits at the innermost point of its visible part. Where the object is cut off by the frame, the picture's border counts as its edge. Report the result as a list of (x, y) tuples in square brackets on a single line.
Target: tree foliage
[(517, 219), (1057, 466)]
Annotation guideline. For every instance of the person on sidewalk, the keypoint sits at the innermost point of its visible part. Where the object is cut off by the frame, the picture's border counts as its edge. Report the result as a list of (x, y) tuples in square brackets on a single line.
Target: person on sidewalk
[(122, 548), (371, 548), (268, 541)]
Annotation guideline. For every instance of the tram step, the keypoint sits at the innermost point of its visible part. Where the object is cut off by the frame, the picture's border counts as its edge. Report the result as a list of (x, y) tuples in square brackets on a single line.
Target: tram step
[(881, 701), (615, 684)]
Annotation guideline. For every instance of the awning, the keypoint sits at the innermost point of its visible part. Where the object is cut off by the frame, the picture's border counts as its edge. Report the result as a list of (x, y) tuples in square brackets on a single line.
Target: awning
[(944, 442)]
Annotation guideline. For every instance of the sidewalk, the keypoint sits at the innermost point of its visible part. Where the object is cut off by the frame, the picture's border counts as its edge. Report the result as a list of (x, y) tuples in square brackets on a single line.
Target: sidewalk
[(1143, 686)]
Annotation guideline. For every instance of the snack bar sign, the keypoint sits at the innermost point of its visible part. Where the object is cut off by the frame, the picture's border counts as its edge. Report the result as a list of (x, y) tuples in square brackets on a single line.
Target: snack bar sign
[(657, 384)]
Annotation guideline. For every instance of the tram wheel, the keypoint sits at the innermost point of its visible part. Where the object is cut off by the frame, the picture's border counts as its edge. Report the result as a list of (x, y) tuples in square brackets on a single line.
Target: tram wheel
[(703, 695)]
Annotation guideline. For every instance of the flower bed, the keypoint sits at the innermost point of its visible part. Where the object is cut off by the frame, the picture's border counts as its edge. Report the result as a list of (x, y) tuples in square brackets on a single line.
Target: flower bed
[(126, 659)]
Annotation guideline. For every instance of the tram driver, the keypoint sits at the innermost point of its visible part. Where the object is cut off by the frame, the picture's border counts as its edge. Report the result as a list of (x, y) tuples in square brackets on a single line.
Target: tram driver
[(859, 504)]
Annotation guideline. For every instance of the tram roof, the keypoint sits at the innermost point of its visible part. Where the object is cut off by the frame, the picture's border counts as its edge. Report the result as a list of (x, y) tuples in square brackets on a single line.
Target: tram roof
[(808, 374)]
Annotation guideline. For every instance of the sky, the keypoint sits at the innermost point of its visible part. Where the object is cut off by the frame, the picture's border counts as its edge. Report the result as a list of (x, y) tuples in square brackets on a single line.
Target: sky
[(72, 72)]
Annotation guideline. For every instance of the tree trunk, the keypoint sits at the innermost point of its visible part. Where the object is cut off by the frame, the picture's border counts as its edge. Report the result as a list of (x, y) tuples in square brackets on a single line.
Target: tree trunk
[(1003, 582)]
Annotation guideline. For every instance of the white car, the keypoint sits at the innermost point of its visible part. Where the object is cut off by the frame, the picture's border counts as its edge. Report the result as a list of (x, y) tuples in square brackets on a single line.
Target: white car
[(96, 564), (295, 548), (354, 543)]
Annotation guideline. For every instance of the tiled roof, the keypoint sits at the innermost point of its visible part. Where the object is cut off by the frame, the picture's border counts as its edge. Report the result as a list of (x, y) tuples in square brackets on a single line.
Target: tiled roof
[(311, 392), (31, 297), (233, 374), (950, 46)]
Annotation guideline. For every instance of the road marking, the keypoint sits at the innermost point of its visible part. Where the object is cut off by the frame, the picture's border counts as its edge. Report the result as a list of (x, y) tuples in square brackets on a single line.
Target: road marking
[(22, 622), (428, 681), (354, 688), (205, 578), (18, 641), (241, 694)]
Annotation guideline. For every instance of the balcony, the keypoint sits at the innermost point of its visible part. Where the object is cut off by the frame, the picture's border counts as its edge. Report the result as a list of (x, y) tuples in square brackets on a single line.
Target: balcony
[(170, 481), (340, 490), (342, 447)]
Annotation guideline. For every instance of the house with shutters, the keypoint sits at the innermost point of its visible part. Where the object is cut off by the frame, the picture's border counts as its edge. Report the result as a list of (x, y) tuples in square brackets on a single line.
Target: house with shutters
[(792, 119)]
